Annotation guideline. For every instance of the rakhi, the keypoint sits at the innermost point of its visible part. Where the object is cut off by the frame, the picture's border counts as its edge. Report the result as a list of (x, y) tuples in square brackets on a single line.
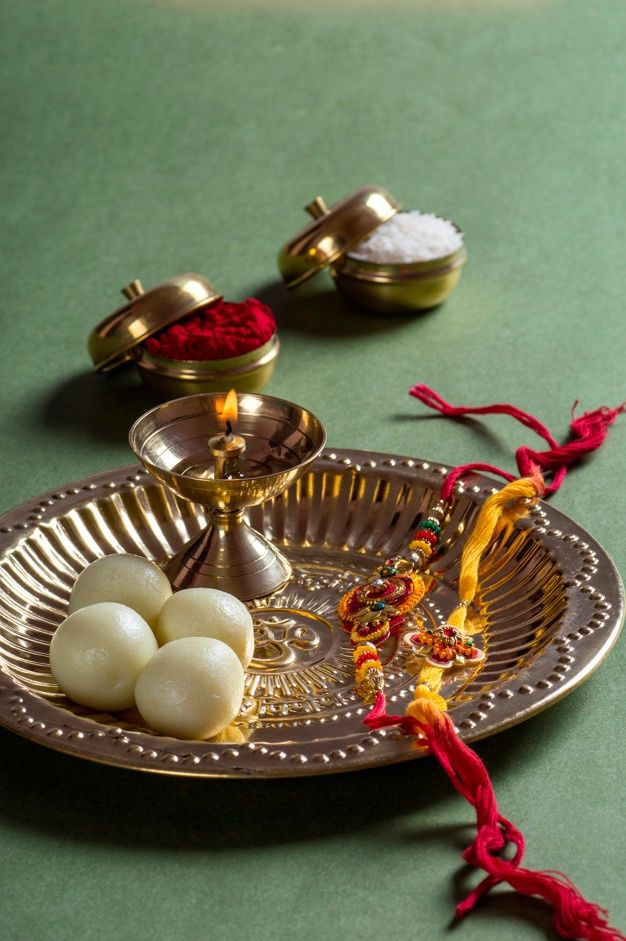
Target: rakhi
[(383, 607)]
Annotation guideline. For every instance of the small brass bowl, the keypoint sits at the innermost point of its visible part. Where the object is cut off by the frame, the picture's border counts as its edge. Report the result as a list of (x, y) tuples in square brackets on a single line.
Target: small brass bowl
[(387, 288), (120, 338), (399, 288), (171, 378)]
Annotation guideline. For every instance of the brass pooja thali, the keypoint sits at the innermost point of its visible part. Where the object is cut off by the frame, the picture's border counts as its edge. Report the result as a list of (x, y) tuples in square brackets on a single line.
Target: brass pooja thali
[(550, 598)]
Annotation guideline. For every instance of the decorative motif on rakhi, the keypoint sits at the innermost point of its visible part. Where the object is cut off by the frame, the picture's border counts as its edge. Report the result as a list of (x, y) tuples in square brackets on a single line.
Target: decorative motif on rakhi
[(377, 609), (372, 612), (368, 671), (444, 647)]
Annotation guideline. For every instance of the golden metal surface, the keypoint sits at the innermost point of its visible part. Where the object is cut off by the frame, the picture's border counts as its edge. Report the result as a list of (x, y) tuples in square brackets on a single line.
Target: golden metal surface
[(116, 338), (550, 597), (317, 208), (133, 290), (399, 288), (226, 451), (169, 378), (279, 439), (334, 231)]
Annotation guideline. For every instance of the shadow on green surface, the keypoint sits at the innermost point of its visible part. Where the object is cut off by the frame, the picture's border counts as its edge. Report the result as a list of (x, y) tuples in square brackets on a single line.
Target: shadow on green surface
[(476, 428), (95, 407), (502, 905), (78, 800), (481, 431), (66, 799), (323, 312)]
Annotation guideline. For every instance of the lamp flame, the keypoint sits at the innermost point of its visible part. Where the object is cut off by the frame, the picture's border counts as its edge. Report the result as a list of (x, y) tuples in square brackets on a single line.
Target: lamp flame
[(229, 412)]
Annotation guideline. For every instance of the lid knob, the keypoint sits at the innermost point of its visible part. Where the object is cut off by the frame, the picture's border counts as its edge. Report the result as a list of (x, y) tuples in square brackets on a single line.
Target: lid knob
[(133, 290), (317, 208), (116, 339), (334, 231)]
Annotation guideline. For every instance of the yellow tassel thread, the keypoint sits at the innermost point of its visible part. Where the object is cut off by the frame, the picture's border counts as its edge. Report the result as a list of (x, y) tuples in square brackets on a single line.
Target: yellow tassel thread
[(429, 677), (426, 706), (499, 513), (474, 624)]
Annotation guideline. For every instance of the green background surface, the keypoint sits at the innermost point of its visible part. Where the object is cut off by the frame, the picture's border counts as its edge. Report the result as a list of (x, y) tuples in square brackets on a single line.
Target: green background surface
[(144, 138)]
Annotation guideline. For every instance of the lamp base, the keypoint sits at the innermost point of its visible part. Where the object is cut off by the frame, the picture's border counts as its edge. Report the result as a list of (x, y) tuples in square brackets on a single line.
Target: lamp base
[(231, 556)]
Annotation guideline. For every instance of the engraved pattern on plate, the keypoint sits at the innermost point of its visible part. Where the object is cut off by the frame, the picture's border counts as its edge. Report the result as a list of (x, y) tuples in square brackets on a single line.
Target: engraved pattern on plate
[(550, 600)]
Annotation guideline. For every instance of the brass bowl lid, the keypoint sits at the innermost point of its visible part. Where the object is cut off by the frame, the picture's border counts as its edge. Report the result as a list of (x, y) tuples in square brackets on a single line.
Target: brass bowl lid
[(334, 232), (114, 340)]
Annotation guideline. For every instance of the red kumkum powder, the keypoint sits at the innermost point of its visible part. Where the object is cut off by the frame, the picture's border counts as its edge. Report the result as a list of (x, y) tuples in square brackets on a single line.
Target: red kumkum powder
[(217, 332)]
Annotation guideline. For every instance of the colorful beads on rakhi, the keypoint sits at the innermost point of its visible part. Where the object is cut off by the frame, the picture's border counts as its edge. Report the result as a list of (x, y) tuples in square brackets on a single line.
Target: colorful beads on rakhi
[(363, 652), (373, 634), (428, 536), (368, 671), (421, 545), (388, 570), (366, 666)]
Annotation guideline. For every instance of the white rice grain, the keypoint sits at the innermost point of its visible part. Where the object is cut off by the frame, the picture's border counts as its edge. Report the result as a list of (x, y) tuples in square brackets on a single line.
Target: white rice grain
[(409, 237)]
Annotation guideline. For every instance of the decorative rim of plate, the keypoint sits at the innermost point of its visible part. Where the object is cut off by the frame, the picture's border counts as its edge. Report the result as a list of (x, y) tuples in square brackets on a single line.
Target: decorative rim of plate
[(595, 596)]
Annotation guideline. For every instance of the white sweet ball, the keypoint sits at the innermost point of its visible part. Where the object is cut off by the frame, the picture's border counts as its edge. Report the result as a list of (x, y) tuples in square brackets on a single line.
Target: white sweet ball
[(125, 579), (208, 612), (97, 653), (191, 688)]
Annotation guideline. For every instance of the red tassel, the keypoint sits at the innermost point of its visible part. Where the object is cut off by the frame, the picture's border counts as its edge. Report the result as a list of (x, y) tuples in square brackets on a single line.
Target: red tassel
[(574, 917), (587, 434), (377, 717)]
